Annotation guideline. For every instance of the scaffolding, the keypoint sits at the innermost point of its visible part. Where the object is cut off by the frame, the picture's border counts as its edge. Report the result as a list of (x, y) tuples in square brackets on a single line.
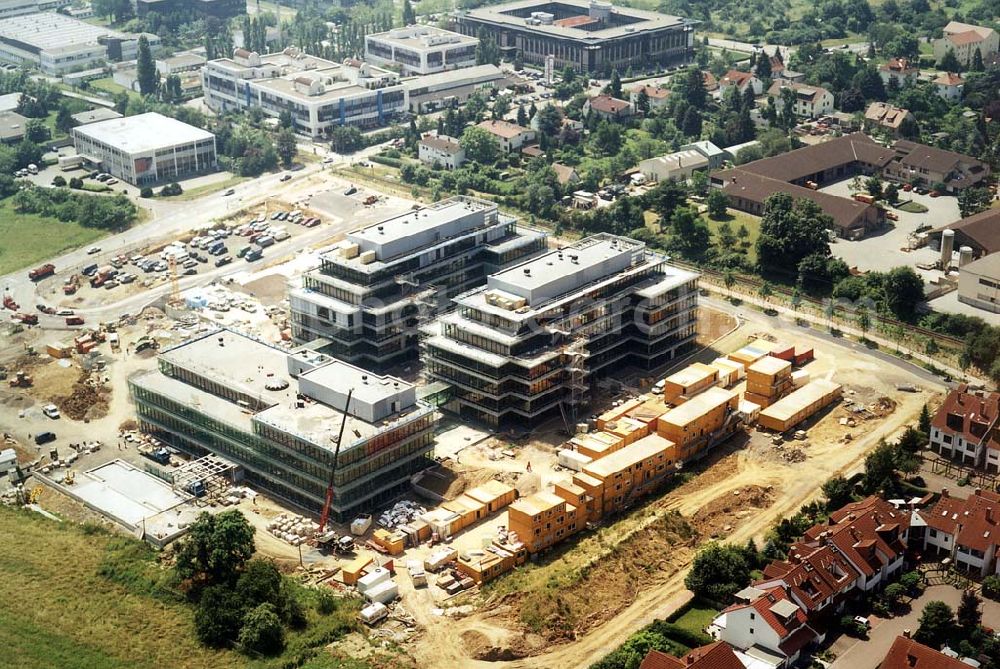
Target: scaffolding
[(575, 353), (209, 475)]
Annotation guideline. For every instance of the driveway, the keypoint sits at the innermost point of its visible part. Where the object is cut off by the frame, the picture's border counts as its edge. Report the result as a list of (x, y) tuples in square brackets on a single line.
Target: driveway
[(867, 654)]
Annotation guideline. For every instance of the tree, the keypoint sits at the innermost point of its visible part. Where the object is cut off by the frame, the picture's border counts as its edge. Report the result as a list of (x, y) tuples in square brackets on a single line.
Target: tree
[(615, 87), (146, 192), (718, 203), (949, 62), (924, 421), (937, 622), (893, 594), (968, 616), (480, 145), (874, 187), (58, 181), (729, 279), (522, 116), (913, 582), (689, 235), (215, 549), (285, 145), (718, 572), (991, 587), (974, 200), (694, 88), (765, 290), (64, 120), (880, 469), (145, 68), (864, 321), (550, 120), (36, 131), (346, 139), (911, 440), (891, 193), (409, 15), (218, 616), (904, 290), (763, 69), (642, 101), (977, 61), (837, 491), (262, 631), (692, 122), (791, 230)]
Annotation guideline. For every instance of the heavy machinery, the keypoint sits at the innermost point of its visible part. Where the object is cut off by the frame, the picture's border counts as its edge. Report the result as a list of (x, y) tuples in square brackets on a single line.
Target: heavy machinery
[(9, 303), (325, 516), (21, 380)]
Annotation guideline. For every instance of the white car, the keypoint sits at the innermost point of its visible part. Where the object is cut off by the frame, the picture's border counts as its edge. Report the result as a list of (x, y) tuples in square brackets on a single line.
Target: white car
[(51, 410), (65, 312), (93, 249)]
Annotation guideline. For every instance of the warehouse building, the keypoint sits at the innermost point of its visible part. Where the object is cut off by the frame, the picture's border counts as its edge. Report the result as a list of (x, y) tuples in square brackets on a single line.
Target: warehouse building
[(56, 44), (538, 335), (319, 94), (592, 36), (278, 414), (421, 49), (147, 148), (372, 291), (445, 89)]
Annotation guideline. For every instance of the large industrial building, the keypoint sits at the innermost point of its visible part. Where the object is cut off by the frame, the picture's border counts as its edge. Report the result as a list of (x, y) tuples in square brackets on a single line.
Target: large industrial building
[(319, 94), (536, 337), (431, 92), (278, 414), (590, 36), (421, 49), (56, 44), (372, 291), (146, 149)]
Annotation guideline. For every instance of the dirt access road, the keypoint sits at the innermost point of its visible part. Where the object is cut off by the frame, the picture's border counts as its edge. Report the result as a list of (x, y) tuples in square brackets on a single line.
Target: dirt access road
[(793, 484)]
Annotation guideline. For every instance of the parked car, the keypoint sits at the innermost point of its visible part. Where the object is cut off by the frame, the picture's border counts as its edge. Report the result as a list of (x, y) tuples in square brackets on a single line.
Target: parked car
[(224, 260), (351, 190), (45, 437), (253, 254), (286, 177), (93, 249), (65, 312), (51, 410), (230, 191)]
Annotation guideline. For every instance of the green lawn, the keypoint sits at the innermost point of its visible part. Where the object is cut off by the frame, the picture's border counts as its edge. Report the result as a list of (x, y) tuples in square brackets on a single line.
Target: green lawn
[(696, 618), (736, 219), (200, 191), (28, 239)]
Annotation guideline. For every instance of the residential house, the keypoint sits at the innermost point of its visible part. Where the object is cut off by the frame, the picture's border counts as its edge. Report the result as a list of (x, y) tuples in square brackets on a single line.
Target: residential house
[(810, 101), (510, 136), (949, 85), (964, 39), (906, 653), (818, 577), (742, 81), (965, 530), (765, 625), (657, 96), (899, 71), (442, 151), (609, 108), (887, 117), (676, 166), (928, 166), (716, 655), (566, 175), (965, 428), (710, 82)]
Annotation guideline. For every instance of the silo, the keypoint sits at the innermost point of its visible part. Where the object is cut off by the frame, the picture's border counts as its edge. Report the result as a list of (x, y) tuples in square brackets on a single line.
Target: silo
[(947, 247), (964, 256)]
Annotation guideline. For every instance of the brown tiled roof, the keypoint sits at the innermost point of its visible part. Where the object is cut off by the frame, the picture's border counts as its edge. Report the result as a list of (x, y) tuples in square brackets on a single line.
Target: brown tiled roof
[(968, 37), (803, 91), (783, 627), (607, 104), (867, 533), (886, 115), (655, 92), (809, 160), (739, 182), (656, 660), (968, 414), (813, 573), (900, 65), (908, 654), (735, 78), (532, 151), (564, 173), (949, 79), (982, 228), (504, 129), (921, 156), (442, 144), (711, 83)]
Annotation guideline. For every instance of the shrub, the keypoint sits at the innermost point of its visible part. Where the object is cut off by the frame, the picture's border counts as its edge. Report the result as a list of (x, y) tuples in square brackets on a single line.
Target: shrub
[(58, 181), (146, 192), (991, 587), (76, 182), (262, 631)]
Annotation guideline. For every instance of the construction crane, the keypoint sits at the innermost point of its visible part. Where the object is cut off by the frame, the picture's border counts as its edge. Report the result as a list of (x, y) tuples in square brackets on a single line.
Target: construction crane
[(333, 469)]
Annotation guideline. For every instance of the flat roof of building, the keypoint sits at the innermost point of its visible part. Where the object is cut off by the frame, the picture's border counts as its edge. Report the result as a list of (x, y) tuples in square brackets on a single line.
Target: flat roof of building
[(537, 503), (465, 76), (368, 387), (693, 373), (143, 133), (769, 365), (514, 14), (698, 406), (988, 266), (788, 406), (51, 31), (95, 115), (10, 101), (632, 454), (423, 38), (12, 125)]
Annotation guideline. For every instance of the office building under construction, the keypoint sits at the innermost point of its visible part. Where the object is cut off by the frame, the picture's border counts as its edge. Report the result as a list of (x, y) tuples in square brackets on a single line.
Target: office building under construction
[(534, 339), (279, 415), (366, 300)]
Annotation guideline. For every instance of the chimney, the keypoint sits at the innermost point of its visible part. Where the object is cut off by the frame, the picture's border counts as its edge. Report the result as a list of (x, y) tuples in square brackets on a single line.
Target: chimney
[(945, 492), (978, 492), (906, 634)]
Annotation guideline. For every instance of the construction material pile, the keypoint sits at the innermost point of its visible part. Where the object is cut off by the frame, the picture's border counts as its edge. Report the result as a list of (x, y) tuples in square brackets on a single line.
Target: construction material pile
[(401, 513), (292, 528)]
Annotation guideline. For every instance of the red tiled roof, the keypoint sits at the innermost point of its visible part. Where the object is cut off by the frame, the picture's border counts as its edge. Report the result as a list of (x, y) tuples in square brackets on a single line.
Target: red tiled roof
[(735, 78), (813, 574), (908, 654), (968, 37), (949, 79), (504, 129), (655, 92), (867, 533), (608, 104), (901, 65), (656, 660), (718, 655), (974, 522), (711, 83), (802, 91), (968, 414), (799, 640)]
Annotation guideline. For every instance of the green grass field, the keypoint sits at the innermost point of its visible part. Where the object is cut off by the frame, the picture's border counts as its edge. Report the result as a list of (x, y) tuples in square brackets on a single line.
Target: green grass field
[(735, 219), (27, 239), (696, 618)]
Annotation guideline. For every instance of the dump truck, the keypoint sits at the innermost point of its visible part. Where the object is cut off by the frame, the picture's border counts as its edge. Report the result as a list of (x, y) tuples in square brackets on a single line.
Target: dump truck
[(39, 273)]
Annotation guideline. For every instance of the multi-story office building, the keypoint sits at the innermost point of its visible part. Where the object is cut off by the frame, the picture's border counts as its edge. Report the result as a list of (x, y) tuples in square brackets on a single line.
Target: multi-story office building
[(147, 148), (372, 291), (421, 49), (278, 414), (592, 36), (535, 338), (319, 94)]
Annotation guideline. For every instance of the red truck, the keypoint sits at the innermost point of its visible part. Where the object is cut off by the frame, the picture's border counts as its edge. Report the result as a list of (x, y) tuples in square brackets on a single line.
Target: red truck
[(74, 320), (39, 273), (27, 319)]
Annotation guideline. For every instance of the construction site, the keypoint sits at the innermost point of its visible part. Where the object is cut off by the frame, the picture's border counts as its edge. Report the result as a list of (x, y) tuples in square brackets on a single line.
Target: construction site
[(408, 488)]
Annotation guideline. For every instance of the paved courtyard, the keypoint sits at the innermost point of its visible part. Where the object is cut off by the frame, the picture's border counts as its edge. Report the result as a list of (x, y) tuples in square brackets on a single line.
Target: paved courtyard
[(868, 653)]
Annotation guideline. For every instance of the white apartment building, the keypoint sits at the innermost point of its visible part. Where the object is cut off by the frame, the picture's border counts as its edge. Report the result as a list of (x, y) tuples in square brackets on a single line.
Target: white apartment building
[(319, 94), (57, 44), (964, 39), (510, 136), (147, 148), (810, 101), (441, 150), (421, 49)]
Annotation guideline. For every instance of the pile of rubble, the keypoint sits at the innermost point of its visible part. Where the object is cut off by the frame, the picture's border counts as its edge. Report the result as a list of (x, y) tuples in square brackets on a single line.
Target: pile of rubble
[(401, 513), (292, 528)]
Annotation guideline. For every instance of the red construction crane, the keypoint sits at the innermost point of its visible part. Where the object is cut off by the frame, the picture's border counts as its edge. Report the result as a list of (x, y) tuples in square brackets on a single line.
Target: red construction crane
[(333, 470)]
